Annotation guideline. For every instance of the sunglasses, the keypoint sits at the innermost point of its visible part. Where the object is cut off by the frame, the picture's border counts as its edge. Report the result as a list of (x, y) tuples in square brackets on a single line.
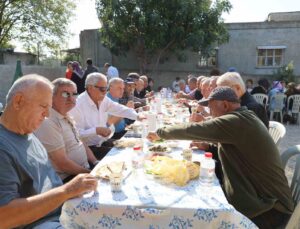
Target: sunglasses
[(102, 89), (66, 94)]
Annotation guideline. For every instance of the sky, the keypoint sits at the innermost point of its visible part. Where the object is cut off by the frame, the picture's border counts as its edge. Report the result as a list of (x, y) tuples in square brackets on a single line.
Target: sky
[(242, 11)]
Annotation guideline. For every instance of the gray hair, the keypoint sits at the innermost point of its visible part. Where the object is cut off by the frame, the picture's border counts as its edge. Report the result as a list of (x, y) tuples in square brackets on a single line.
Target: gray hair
[(94, 78), (192, 79), (115, 81), (230, 79), (27, 83), (182, 81), (62, 82)]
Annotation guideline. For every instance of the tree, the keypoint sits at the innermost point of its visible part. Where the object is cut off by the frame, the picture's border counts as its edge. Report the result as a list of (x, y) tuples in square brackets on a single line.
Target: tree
[(285, 73), (155, 28), (35, 22)]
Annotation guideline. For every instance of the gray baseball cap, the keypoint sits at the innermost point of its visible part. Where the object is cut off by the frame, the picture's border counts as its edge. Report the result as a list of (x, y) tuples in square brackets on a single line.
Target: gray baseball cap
[(222, 94)]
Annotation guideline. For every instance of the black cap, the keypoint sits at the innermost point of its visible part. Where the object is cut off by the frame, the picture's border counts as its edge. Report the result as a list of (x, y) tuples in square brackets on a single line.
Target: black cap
[(222, 94), (129, 80)]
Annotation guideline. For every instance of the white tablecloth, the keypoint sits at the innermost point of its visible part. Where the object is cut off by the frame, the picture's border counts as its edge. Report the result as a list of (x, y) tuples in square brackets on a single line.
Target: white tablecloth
[(145, 202)]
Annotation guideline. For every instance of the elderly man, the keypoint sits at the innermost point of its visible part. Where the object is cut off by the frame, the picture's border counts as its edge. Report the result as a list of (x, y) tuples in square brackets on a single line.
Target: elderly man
[(116, 90), (195, 93), (139, 90), (31, 193), (128, 94), (69, 156), (91, 114), (235, 81), (254, 180)]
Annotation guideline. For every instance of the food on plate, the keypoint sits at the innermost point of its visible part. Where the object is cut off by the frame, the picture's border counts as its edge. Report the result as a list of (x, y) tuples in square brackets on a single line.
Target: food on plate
[(126, 142), (172, 170), (158, 148), (104, 171)]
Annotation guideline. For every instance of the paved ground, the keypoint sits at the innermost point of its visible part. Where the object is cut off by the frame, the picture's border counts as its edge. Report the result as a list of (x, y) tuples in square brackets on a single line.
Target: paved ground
[(291, 138)]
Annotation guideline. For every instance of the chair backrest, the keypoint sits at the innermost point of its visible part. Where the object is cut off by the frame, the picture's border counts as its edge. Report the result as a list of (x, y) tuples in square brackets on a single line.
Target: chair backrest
[(261, 98), (295, 183), (296, 103), (278, 102), (294, 221), (277, 131)]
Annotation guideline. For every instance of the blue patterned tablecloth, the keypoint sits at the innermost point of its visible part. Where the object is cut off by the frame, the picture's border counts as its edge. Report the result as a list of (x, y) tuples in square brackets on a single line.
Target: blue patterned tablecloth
[(146, 202)]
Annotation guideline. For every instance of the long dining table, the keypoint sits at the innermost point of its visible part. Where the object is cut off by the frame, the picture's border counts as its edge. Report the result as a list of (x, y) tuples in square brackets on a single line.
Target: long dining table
[(146, 202)]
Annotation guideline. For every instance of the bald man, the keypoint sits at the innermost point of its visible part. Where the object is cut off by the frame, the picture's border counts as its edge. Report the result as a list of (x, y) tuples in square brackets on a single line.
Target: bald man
[(31, 193)]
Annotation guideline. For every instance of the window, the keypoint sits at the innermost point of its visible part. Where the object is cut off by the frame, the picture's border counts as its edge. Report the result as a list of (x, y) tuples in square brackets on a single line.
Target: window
[(208, 60), (270, 56)]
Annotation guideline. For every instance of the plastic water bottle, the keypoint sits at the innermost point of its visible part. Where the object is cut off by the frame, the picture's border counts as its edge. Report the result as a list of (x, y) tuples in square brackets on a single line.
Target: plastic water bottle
[(207, 170), (137, 157)]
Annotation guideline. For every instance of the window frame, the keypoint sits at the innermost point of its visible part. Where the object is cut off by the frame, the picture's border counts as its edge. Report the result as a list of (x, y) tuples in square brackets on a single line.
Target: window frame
[(267, 56)]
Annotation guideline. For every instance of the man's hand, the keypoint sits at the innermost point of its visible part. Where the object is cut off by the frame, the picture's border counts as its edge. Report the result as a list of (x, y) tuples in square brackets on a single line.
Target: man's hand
[(80, 184), (196, 117), (130, 104), (200, 145), (141, 117), (103, 131), (152, 136)]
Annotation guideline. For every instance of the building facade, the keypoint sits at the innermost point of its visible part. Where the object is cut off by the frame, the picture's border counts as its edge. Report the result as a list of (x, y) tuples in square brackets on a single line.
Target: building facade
[(260, 48)]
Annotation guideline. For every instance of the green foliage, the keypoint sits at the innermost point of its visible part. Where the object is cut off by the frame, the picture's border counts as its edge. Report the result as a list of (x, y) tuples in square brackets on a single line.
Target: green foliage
[(151, 27), (35, 21), (285, 73)]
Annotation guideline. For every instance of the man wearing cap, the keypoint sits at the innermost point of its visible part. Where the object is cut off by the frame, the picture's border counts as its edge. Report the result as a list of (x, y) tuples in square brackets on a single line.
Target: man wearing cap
[(129, 94), (235, 81), (254, 180)]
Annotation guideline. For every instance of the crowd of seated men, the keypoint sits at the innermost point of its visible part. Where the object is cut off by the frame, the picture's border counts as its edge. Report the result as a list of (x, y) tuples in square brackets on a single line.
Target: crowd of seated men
[(51, 138)]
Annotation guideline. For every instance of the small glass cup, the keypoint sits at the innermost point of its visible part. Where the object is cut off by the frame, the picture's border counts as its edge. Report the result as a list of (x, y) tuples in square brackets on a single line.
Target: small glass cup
[(187, 154), (115, 180)]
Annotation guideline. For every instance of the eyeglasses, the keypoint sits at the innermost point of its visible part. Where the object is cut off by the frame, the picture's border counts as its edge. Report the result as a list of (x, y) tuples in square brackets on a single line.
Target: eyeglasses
[(102, 89), (67, 94)]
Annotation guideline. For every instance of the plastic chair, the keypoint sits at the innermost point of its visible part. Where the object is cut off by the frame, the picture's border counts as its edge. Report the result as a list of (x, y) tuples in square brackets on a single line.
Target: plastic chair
[(294, 221), (261, 98), (295, 184), (278, 103), (277, 131), (296, 106)]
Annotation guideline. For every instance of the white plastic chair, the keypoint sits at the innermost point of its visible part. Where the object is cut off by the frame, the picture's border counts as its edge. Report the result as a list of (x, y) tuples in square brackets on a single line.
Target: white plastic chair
[(277, 131), (294, 222), (296, 106), (278, 102), (261, 98), (295, 184)]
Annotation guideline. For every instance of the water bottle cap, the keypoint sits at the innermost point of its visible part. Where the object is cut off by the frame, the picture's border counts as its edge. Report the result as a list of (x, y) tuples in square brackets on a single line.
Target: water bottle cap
[(137, 148), (208, 155)]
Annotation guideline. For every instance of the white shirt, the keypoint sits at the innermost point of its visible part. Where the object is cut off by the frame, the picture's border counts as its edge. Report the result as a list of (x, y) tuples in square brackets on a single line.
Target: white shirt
[(112, 72), (88, 117)]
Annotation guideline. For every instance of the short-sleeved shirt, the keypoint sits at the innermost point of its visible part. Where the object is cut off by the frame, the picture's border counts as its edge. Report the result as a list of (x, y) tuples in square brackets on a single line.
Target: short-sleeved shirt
[(57, 132), (24, 168)]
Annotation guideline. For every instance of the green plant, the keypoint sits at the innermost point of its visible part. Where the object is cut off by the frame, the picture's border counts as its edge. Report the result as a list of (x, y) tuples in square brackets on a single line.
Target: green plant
[(285, 73)]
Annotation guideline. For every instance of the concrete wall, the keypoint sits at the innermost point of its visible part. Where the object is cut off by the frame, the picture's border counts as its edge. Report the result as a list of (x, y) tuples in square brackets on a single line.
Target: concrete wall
[(11, 58), (91, 47), (7, 74), (240, 51), (90, 43)]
